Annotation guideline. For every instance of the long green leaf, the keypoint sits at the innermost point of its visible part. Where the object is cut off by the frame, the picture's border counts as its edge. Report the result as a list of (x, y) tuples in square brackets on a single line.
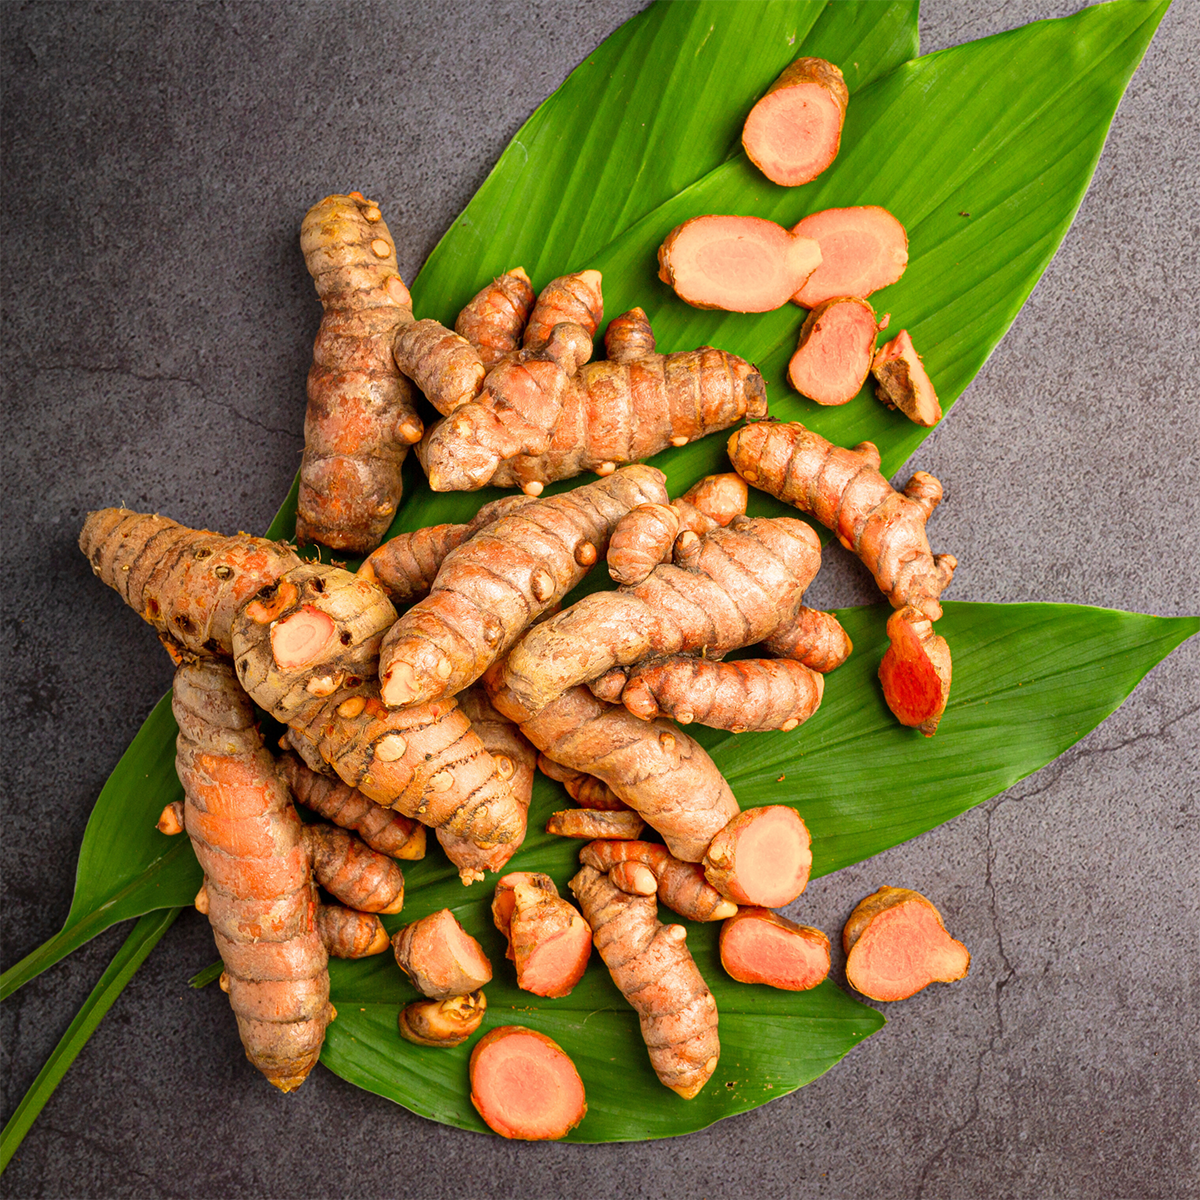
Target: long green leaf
[(143, 938)]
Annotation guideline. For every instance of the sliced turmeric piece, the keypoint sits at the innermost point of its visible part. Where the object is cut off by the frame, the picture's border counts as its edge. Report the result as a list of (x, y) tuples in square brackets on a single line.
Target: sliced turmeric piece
[(442, 1023), (740, 264), (904, 382), (346, 867), (549, 943), (646, 869), (794, 132), (654, 969), (833, 355), (361, 416), (524, 1085), (347, 933), (915, 671), (440, 957), (258, 888), (762, 857), (896, 944), (862, 250), (759, 946)]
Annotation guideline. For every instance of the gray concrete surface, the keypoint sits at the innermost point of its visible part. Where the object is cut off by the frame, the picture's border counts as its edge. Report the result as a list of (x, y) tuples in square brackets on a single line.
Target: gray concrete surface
[(157, 326)]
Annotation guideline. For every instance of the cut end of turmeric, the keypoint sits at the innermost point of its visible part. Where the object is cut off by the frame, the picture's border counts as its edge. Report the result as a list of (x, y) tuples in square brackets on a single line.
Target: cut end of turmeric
[(915, 671), (440, 957), (762, 857), (759, 946), (862, 250), (740, 264), (896, 945), (903, 381), (793, 133), (524, 1085), (833, 355)]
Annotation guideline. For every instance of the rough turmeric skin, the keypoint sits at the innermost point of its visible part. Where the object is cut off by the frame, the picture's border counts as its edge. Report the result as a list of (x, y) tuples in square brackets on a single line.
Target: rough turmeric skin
[(654, 970), (653, 766), (406, 566), (813, 638), (586, 790), (346, 933), (592, 823), (568, 300), (495, 317), (844, 490), (493, 587), (347, 868), (516, 761), (361, 415), (258, 889), (549, 943), (680, 885), (188, 583), (730, 588), (383, 830)]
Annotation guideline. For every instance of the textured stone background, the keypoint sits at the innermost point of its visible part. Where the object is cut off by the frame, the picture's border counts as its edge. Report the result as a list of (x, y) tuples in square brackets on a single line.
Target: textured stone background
[(158, 323)]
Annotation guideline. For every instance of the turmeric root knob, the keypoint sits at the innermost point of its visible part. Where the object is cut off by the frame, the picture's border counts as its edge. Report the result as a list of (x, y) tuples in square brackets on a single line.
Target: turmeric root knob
[(896, 944), (524, 1086), (442, 1023)]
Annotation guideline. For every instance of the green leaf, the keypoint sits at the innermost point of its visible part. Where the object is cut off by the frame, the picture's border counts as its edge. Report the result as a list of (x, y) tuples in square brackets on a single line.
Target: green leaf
[(143, 938), (1029, 681)]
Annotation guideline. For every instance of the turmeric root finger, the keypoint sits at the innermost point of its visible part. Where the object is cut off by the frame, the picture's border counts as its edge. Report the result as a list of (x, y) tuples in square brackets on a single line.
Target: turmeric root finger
[(834, 354), (752, 693), (651, 965), (515, 760), (794, 132), (590, 823), (442, 1023), (730, 588), (548, 940), (586, 790), (653, 766), (915, 671), (740, 264), (814, 638), (383, 830), (570, 299), (361, 415), (440, 958), (347, 868), (494, 319), (444, 365), (629, 337), (715, 500), (759, 946), (681, 886), (188, 583), (524, 1086), (490, 589), (762, 857), (862, 250), (896, 944), (258, 890), (347, 933)]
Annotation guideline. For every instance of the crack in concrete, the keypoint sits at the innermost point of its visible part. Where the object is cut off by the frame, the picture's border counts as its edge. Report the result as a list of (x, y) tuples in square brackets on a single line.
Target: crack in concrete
[(109, 1151)]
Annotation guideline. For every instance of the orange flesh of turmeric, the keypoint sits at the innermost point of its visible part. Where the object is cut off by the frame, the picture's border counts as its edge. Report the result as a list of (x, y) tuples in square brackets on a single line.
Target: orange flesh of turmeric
[(903, 381), (834, 354), (862, 250), (759, 946), (915, 671), (762, 857), (524, 1086)]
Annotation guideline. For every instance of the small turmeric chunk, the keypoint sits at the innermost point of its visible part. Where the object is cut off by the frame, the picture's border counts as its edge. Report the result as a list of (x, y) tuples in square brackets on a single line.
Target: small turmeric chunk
[(896, 944), (740, 264), (862, 250), (548, 941), (525, 1086), (440, 957), (493, 319), (590, 823), (348, 933), (762, 857), (915, 671), (586, 790), (904, 382), (833, 356), (442, 1023), (794, 132), (814, 638), (759, 946)]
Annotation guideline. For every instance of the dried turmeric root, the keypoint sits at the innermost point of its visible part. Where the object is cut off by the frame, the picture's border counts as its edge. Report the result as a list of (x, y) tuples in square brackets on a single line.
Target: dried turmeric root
[(896, 944), (548, 941), (524, 1086), (759, 946), (655, 972), (440, 957), (794, 132), (731, 588), (362, 414), (258, 889), (442, 1023), (347, 868), (762, 857), (347, 933), (647, 869), (493, 587)]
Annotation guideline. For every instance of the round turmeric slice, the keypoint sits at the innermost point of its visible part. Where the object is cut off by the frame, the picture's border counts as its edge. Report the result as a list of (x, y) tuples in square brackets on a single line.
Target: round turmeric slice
[(525, 1086)]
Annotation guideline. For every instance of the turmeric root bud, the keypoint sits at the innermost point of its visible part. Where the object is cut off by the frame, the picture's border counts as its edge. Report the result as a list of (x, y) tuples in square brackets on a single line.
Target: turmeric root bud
[(762, 857), (442, 1023), (896, 944), (759, 946), (524, 1085)]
